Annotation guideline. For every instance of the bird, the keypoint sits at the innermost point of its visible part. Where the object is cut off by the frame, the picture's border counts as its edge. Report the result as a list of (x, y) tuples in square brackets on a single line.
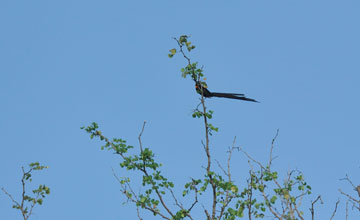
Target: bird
[(207, 94), (358, 189)]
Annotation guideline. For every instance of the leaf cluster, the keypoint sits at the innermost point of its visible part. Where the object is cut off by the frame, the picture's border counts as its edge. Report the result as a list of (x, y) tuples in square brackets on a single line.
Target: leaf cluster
[(28, 202), (154, 183)]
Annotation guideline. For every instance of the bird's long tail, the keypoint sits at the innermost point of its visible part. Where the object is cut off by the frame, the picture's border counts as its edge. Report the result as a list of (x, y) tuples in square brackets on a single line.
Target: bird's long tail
[(232, 96)]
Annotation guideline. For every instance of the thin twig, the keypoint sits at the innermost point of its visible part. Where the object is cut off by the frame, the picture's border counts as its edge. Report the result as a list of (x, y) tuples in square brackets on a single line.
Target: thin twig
[(219, 165), (177, 203), (32, 205), (348, 179), (350, 197), (10, 196), (312, 210), (196, 197), (138, 213), (252, 159), (273, 211), (229, 158), (272, 147), (139, 138), (334, 212), (228, 196)]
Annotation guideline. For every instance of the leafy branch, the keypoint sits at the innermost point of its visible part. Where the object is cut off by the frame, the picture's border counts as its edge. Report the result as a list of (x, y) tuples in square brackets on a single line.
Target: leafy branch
[(156, 185), (28, 202), (264, 195)]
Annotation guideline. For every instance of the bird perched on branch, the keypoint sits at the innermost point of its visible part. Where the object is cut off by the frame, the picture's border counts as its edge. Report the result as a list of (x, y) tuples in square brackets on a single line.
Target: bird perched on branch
[(201, 89)]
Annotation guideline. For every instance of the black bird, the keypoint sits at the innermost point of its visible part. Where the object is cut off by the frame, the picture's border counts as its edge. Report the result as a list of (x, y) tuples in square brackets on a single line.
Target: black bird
[(208, 94)]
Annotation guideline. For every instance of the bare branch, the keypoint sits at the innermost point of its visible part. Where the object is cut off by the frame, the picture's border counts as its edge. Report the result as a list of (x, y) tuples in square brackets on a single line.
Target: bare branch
[(355, 202), (348, 179), (10, 196), (177, 203), (219, 165), (272, 147), (252, 159), (138, 213), (312, 210), (334, 212), (139, 138), (207, 214), (229, 158), (350, 197)]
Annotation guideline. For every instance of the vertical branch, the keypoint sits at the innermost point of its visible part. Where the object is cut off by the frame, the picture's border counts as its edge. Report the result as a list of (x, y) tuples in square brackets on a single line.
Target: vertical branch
[(23, 193), (334, 212), (347, 210), (312, 210), (229, 159), (228, 197), (208, 155), (250, 194), (196, 76), (272, 147), (139, 138), (147, 174)]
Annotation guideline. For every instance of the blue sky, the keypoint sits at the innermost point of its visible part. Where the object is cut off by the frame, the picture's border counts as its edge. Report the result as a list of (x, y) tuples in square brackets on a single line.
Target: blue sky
[(65, 64)]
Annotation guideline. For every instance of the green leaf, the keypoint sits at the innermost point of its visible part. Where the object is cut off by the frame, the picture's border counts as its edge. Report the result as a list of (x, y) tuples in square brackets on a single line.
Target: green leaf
[(273, 200), (234, 189), (173, 51)]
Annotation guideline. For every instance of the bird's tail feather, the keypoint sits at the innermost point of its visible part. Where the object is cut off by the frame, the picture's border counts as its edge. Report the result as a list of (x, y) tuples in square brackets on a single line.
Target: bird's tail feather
[(232, 96)]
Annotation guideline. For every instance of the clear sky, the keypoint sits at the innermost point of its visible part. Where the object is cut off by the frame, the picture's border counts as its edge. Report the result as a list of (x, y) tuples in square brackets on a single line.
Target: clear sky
[(65, 64)]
